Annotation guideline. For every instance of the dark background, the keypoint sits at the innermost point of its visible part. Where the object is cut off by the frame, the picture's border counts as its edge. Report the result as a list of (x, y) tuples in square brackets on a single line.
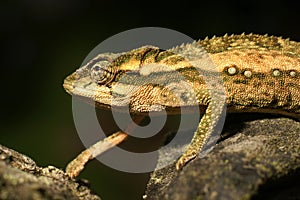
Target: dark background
[(42, 41)]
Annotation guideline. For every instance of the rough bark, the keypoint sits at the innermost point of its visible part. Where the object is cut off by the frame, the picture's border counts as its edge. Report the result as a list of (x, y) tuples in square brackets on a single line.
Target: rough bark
[(257, 159), (21, 178)]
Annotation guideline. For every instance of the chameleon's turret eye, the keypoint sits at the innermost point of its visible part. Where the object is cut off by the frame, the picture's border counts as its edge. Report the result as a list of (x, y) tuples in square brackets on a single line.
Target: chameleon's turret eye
[(102, 73)]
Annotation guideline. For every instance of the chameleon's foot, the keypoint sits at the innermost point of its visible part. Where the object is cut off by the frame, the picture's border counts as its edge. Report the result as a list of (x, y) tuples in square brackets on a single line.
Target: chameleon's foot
[(77, 165), (183, 160)]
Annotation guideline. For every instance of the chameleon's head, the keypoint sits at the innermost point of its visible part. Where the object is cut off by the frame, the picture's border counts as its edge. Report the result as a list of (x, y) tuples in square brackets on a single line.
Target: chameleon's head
[(91, 80), (146, 79)]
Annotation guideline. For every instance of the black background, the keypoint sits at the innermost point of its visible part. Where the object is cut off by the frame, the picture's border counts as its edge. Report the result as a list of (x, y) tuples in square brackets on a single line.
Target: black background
[(42, 41)]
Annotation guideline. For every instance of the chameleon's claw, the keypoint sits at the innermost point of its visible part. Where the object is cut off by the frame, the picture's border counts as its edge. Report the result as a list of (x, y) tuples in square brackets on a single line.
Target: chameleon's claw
[(77, 165), (180, 163), (183, 160)]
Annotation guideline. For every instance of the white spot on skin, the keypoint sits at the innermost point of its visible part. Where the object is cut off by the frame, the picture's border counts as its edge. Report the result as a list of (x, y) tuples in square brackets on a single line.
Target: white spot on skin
[(156, 108), (247, 73), (231, 70), (293, 73), (276, 72)]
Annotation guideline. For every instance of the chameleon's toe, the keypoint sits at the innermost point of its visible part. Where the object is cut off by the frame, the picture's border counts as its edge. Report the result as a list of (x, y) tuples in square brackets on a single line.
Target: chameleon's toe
[(183, 160)]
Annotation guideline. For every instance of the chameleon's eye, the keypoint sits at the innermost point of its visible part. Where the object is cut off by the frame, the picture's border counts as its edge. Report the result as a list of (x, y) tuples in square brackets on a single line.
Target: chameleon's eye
[(102, 72)]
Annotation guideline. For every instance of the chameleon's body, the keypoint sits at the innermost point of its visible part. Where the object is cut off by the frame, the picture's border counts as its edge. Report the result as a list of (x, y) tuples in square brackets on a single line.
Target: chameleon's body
[(260, 74)]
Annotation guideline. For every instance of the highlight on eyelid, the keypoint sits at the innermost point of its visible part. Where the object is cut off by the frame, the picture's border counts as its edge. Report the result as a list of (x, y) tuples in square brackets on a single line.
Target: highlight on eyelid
[(102, 72)]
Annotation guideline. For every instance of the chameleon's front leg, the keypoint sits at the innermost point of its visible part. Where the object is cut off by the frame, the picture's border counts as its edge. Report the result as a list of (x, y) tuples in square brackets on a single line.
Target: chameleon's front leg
[(77, 165), (200, 137)]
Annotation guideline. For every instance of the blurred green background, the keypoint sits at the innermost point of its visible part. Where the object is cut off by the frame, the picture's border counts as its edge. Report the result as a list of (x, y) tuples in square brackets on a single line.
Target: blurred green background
[(42, 41)]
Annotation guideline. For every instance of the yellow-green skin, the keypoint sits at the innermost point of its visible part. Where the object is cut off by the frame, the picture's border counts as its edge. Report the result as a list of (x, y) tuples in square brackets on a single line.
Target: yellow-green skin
[(259, 73)]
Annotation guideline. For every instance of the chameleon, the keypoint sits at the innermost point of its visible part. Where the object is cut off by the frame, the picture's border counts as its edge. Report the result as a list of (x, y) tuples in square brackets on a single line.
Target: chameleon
[(260, 73)]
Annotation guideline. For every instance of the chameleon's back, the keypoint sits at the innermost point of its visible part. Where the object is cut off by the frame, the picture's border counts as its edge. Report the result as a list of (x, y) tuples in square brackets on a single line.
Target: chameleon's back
[(260, 74)]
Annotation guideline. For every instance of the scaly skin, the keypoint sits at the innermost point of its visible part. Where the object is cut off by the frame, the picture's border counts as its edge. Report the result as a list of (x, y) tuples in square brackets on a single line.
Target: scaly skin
[(259, 73)]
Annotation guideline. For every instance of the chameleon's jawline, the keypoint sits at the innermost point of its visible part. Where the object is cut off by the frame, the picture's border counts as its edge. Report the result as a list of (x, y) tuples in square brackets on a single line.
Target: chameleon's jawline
[(124, 109)]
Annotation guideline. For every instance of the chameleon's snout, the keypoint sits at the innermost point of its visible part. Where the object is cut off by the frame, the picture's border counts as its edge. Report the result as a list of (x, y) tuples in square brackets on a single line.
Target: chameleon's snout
[(68, 82)]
